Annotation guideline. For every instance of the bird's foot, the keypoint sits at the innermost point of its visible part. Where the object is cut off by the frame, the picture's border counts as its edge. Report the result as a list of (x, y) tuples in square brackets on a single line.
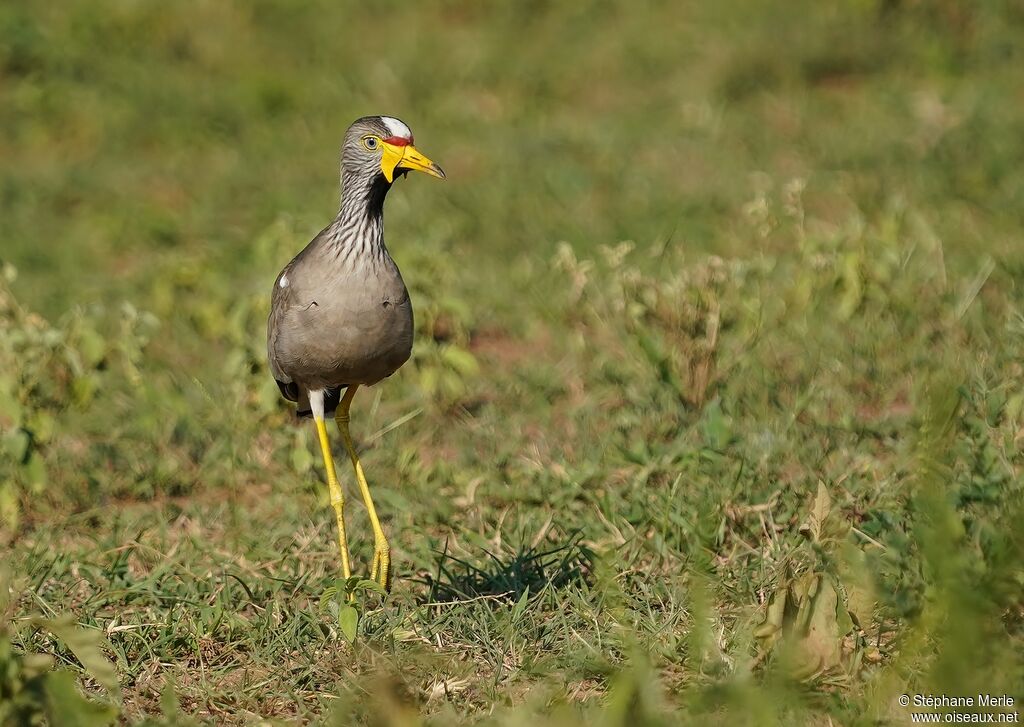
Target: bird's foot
[(380, 570)]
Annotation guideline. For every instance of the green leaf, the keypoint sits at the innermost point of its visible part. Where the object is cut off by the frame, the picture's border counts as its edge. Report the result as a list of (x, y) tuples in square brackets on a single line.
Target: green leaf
[(654, 349), (429, 378), (348, 621), (716, 426), (365, 584), (65, 706), (461, 360), (520, 606), (92, 346), (349, 585), (42, 425), (83, 388), (87, 645), (844, 623), (34, 473), (15, 444)]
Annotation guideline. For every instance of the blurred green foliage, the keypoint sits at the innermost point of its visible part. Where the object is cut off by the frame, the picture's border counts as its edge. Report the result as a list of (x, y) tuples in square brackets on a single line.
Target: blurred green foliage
[(33, 692), (714, 413)]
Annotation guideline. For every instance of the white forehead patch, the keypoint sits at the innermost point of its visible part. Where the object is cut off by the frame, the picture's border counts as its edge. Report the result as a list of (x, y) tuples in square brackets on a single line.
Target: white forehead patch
[(396, 127)]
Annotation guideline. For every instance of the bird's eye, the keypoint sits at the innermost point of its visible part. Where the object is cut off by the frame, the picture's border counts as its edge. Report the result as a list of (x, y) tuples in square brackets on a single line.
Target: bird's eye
[(370, 142)]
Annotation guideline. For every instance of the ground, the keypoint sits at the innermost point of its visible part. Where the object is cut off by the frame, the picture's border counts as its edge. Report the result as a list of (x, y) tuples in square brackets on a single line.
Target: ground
[(715, 408)]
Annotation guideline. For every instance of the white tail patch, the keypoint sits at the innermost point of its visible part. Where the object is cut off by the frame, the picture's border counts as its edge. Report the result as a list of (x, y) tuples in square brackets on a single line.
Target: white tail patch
[(316, 403), (396, 127)]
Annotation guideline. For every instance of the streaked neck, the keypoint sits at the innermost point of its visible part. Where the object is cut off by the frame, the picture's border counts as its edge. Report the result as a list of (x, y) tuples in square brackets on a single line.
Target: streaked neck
[(358, 229)]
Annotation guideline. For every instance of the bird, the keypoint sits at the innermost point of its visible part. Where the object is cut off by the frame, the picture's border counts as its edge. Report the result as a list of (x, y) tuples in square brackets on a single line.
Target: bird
[(340, 314)]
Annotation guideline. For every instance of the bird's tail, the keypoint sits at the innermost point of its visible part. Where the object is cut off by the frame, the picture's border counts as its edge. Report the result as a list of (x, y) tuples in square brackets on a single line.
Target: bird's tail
[(302, 409)]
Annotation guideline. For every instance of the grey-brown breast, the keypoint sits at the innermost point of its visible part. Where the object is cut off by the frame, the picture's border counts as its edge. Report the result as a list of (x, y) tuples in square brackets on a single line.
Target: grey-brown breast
[(338, 321)]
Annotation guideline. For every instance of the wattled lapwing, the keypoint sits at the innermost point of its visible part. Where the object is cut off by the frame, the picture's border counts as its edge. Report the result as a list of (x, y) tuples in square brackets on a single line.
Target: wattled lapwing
[(340, 315)]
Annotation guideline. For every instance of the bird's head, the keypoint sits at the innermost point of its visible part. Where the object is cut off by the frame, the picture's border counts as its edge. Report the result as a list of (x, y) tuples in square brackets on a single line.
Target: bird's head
[(382, 145)]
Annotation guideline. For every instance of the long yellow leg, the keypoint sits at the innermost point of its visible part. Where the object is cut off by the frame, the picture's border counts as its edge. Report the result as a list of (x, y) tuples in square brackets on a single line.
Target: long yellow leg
[(380, 571), (337, 497)]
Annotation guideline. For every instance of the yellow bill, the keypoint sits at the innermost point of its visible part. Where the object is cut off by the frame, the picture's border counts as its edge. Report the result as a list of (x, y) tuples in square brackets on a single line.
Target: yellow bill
[(406, 156)]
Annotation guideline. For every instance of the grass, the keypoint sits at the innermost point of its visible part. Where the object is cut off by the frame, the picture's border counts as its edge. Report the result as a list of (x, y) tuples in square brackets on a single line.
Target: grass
[(714, 413)]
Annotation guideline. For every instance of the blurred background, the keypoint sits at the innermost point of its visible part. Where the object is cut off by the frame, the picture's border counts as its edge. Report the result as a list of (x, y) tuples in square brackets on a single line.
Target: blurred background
[(691, 260), (141, 139)]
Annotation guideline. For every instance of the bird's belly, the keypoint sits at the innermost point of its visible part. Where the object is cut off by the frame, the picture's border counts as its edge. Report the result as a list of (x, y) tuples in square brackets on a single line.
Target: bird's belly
[(379, 347), (360, 343)]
